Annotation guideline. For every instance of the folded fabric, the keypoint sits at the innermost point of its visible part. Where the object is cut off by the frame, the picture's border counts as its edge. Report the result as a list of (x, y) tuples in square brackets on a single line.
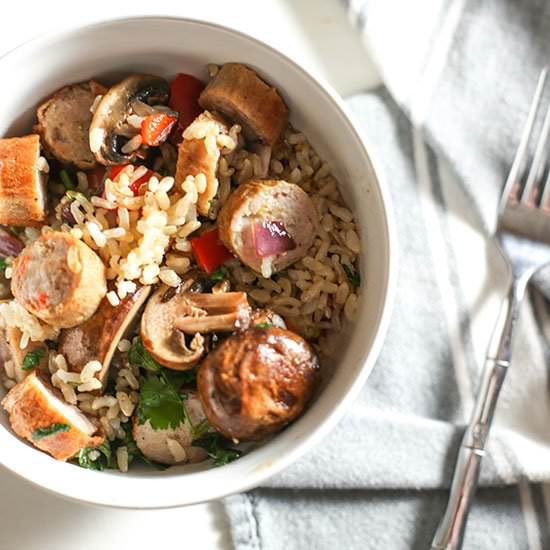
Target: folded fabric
[(459, 76)]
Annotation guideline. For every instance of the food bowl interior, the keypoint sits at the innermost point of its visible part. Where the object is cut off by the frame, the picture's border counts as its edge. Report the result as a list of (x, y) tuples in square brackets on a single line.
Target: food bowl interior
[(165, 47)]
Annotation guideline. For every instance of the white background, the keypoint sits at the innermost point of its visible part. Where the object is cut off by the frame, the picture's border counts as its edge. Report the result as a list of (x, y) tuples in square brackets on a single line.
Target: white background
[(316, 34)]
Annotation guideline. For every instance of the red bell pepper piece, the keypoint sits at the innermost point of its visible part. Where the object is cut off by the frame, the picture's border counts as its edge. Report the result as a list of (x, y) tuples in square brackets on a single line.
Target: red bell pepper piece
[(116, 170), (184, 98), (134, 186), (209, 252), (156, 128)]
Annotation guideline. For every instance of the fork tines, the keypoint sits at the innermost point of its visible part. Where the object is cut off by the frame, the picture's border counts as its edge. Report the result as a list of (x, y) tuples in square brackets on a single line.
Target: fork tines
[(528, 183)]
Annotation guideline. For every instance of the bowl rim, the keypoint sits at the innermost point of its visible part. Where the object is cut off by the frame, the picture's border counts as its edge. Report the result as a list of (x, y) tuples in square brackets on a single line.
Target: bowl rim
[(297, 448)]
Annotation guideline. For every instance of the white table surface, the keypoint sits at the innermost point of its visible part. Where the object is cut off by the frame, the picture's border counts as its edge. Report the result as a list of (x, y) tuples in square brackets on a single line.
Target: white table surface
[(314, 33)]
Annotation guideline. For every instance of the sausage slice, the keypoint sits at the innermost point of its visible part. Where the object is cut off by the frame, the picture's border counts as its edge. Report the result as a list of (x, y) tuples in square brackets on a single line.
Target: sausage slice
[(239, 93), (196, 156), (23, 199), (98, 337), (257, 381), (39, 415), (59, 279), (268, 224), (64, 122)]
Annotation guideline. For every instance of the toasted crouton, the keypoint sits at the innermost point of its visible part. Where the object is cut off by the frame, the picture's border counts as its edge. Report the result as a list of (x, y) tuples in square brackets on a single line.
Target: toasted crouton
[(22, 183), (38, 414)]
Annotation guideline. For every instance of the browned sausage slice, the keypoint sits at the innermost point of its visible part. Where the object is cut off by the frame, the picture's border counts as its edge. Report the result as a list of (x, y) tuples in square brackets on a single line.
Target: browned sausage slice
[(38, 414), (240, 94), (59, 279), (268, 224), (198, 156), (23, 199), (64, 122), (257, 381), (97, 338)]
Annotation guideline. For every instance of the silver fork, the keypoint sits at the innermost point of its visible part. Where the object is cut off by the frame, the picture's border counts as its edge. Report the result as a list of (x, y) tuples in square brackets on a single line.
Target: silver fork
[(523, 232)]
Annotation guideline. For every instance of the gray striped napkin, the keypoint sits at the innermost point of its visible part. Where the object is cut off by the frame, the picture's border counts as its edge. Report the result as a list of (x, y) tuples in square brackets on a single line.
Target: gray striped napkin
[(458, 78)]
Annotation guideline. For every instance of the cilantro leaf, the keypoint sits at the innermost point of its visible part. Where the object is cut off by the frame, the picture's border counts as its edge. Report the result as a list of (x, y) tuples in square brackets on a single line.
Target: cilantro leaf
[(160, 403), (3, 264), (219, 275), (140, 357), (353, 276), (33, 358), (264, 325), (41, 433), (217, 448)]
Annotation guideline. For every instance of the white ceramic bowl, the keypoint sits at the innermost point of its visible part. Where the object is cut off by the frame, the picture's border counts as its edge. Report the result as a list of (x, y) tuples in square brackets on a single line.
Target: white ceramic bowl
[(166, 46)]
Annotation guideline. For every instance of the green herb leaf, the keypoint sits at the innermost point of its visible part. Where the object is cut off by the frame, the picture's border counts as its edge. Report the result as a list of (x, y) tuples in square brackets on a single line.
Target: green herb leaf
[(219, 275), (66, 180), (140, 357), (160, 403), (179, 378), (41, 433), (33, 358), (264, 325), (217, 448), (353, 276), (3, 264), (104, 461)]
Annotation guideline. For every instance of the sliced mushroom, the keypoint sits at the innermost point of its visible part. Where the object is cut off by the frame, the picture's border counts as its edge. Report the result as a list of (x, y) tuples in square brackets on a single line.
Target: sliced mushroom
[(166, 322), (98, 338), (109, 124)]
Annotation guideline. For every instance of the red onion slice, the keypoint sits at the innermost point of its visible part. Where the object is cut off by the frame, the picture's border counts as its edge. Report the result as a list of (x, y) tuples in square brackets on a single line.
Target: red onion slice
[(10, 245), (271, 238)]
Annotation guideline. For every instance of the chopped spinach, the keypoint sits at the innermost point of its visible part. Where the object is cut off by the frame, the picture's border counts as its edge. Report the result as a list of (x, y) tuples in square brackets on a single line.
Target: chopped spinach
[(140, 357), (102, 457), (33, 358), (179, 378), (41, 433), (217, 448), (353, 276), (219, 275), (67, 180)]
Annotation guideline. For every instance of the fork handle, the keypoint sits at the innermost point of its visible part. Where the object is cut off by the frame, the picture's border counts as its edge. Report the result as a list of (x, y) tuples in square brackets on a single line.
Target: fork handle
[(450, 532)]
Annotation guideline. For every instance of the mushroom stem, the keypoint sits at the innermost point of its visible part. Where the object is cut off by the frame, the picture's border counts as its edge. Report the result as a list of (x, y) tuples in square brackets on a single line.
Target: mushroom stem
[(225, 311), (214, 323)]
